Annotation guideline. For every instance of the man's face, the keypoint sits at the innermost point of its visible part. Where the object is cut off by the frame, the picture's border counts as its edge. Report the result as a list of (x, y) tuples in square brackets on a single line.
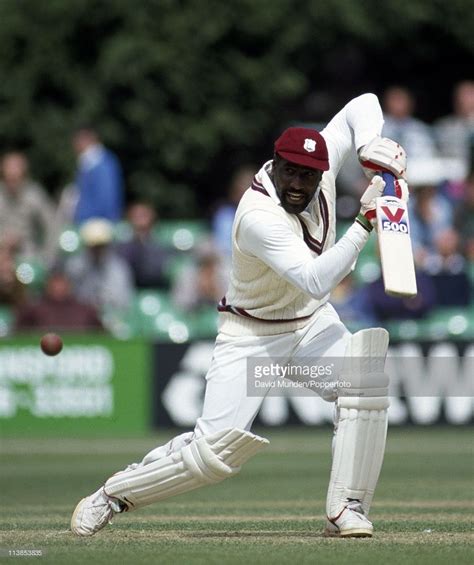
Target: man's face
[(14, 169), (83, 139), (142, 217), (295, 185), (58, 287), (398, 102)]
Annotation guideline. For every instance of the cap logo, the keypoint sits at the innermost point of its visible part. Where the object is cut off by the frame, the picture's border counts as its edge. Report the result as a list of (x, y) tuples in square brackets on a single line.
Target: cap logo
[(309, 145)]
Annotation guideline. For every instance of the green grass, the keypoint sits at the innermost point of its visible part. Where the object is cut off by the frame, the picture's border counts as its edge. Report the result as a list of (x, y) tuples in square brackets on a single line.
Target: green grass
[(273, 512)]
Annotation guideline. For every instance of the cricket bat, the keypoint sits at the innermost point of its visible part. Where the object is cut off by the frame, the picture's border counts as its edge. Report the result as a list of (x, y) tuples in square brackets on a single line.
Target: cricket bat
[(393, 231)]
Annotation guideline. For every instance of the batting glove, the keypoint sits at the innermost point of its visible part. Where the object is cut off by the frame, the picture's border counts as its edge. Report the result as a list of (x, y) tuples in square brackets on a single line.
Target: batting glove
[(401, 190), (383, 155), (367, 215)]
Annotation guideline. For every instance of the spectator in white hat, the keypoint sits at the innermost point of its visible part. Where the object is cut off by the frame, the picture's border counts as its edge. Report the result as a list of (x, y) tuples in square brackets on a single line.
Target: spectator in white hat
[(100, 277)]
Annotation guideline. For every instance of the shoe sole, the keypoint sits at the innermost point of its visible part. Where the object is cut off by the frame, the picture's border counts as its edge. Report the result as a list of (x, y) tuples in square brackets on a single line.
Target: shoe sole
[(354, 533), (357, 533)]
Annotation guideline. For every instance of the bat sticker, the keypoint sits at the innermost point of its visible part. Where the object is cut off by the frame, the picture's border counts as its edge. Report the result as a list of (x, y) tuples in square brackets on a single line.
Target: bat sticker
[(393, 218)]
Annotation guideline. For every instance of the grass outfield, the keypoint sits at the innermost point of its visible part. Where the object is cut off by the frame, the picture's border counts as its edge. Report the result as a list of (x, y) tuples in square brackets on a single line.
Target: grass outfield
[(271, 513)]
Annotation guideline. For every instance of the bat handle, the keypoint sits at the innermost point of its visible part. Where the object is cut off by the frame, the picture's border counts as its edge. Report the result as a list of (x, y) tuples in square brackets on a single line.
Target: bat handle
[(389, 189)]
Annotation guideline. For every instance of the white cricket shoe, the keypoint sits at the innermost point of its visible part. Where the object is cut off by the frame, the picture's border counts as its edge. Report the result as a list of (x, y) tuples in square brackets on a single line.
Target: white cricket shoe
[(93, 513), (351, 522)]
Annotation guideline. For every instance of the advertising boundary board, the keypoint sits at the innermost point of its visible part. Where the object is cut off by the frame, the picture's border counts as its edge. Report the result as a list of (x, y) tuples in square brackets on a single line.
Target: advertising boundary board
[(96, 386), (99, 386), (179, 384)]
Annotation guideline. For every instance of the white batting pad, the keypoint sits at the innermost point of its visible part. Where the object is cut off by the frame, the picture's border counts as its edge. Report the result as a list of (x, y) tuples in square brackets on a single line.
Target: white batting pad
[(207, 460), (364, 364), (361, 423)]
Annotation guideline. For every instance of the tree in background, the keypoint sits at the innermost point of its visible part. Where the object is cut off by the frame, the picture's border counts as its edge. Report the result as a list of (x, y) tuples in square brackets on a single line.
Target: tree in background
[(185, 90)]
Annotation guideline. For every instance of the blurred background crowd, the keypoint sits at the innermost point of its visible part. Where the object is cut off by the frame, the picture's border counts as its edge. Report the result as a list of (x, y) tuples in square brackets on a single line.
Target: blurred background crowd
[(125, 148), (93, 259)]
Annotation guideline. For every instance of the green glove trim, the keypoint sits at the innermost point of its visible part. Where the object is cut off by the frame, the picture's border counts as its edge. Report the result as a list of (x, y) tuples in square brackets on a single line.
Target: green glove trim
[(364, 222)]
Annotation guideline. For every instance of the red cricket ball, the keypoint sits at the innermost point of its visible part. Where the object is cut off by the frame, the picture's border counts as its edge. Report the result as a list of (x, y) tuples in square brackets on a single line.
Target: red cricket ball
[(51, 344)]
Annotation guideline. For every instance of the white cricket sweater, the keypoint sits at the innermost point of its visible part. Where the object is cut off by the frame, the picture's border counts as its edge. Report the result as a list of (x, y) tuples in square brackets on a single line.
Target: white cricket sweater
[(284, 266)]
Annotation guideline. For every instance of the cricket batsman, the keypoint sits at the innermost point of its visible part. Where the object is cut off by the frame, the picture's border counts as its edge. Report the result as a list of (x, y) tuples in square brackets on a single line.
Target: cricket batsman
[(285, 263)]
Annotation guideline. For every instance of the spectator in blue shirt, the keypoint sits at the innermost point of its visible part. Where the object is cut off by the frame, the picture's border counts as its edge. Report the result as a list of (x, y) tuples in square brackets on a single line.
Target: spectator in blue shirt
[(99, 179)]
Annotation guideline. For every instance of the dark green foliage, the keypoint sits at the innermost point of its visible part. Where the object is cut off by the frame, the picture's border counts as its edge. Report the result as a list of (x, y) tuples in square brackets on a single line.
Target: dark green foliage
[(185, 90)]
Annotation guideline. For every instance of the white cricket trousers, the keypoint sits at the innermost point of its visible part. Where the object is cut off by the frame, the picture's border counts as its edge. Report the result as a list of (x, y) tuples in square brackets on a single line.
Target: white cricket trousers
[(226, 402)]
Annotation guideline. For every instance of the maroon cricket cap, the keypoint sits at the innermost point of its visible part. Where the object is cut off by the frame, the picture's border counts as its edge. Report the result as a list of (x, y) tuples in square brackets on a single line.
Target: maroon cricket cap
[(303, 146)]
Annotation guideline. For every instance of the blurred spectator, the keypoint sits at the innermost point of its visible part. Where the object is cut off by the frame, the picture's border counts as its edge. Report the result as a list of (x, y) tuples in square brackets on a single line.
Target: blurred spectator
[(26, 213), (12, 291), (100, 277), (67, 203), (464, 219), (414, 135), (145, 256), (387, 307), (448, 270), (223, 217), (437, 245), (99, 181), (57, 309), (203, 283), (455, 133), (430, 214), (352, 303)]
